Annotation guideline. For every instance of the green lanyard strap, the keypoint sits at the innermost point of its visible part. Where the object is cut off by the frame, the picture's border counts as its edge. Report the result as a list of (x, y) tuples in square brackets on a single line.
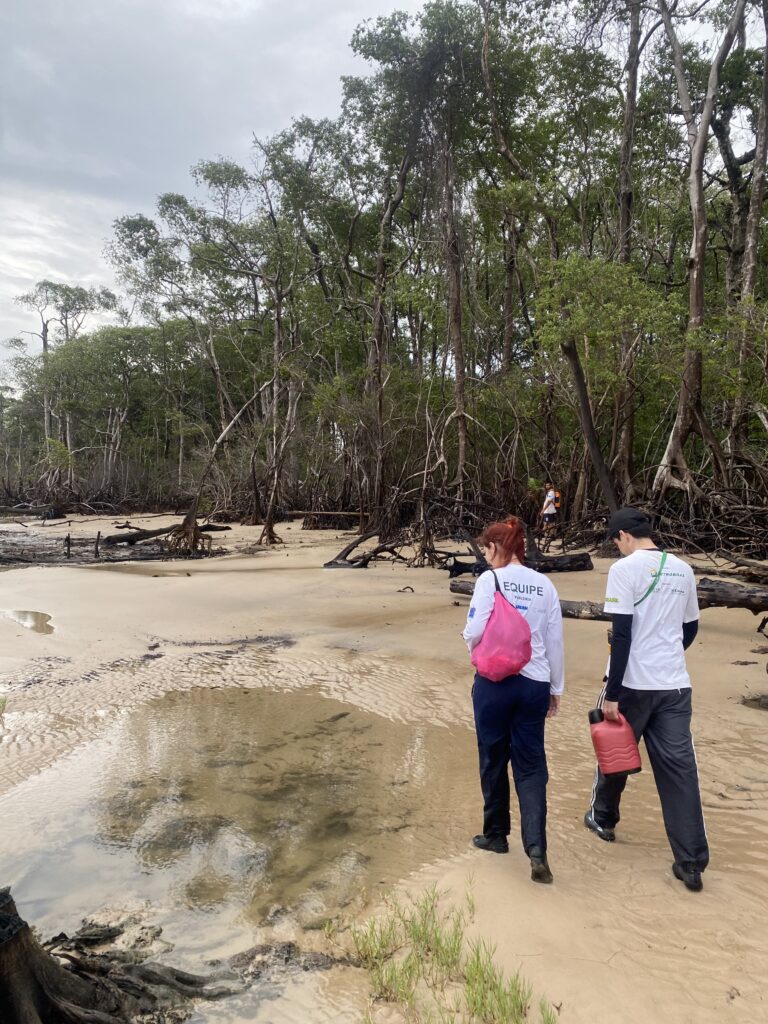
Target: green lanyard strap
[(656, 578)]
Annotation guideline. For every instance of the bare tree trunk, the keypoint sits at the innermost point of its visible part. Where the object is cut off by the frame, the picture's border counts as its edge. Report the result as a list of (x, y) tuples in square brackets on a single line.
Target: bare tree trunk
[(622, 462), (511, 274), (268, 535), (117, 420), (751, 247), (226, 409), (277, 358), (378, 344), (46, 394), (257, 516), (582, 483), (70, 442), (739, 212), (626, 155), (689, 413), (180, 462), (455, 333), (571, 353), (186, 537), (381, 278), (376, 352), (752, 240)]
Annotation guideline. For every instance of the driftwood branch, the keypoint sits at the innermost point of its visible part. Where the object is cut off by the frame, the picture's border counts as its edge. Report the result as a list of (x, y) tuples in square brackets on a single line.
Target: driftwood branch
[(342, 560)]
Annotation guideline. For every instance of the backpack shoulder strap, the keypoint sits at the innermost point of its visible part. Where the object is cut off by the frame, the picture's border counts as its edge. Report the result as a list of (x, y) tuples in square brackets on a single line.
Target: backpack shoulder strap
[(656, 577)]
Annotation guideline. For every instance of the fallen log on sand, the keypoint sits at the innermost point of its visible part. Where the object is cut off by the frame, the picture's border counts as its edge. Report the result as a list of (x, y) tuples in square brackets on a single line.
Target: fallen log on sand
[(140, 535), (743, 575), (711, 594), (571, 609), (579, 562), (717, 594), (584, 610)]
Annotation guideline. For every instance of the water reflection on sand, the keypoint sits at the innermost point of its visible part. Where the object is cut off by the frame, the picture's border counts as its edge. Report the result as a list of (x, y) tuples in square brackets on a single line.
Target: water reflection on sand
[(235, 811), (38, 622)]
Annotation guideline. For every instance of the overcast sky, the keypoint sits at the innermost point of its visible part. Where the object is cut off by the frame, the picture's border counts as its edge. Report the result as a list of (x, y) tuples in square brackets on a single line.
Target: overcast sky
[(104, 104)]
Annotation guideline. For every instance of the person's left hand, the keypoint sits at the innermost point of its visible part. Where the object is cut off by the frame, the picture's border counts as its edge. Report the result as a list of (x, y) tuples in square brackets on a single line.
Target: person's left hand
[(554, 705)]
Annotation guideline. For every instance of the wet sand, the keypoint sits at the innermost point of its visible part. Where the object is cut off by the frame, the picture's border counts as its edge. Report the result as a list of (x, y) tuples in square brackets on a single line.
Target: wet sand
[(615, 938)]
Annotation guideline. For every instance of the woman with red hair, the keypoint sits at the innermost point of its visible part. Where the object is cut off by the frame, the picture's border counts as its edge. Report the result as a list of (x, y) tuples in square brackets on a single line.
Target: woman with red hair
[(510, 714)]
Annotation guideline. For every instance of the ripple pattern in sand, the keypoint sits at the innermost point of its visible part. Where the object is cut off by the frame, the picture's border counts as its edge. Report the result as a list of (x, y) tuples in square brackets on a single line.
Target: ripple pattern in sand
[(76, 708)]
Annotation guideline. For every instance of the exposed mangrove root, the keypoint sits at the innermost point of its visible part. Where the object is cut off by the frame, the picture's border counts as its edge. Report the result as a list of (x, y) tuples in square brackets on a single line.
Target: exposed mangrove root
[(416, 547), (187, 539), (66, 982)]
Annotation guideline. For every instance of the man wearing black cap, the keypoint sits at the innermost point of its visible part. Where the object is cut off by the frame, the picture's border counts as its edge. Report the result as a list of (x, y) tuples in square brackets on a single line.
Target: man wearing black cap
[(651, 597)]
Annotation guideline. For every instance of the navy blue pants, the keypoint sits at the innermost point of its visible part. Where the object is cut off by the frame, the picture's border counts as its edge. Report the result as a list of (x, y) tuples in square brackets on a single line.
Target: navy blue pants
[(509, 721)]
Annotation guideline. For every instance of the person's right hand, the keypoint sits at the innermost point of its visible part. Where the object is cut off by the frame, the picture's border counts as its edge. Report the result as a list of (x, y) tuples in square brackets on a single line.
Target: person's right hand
[(610, 709), (554, 705)]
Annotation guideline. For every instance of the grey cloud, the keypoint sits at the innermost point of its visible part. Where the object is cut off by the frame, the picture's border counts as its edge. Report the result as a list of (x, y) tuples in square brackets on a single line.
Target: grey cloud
[(106, 103)]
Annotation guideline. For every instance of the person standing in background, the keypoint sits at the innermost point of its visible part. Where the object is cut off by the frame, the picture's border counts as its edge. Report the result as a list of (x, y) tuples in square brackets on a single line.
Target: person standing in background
[(548, 514), (651, 598)]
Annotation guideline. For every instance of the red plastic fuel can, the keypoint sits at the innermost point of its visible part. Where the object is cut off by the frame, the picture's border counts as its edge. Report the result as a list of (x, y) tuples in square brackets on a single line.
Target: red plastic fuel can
[(615, 744)]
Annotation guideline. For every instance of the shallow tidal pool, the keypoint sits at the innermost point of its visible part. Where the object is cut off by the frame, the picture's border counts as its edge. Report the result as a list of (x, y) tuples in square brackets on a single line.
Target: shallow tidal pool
[(239, 816)]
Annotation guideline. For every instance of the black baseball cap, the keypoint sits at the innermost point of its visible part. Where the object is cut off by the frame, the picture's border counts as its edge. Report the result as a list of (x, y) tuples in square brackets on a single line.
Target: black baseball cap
[(630, 520)]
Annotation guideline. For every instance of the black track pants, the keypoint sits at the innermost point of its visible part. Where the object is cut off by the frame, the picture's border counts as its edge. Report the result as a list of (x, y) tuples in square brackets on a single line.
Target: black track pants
[(663, 719)]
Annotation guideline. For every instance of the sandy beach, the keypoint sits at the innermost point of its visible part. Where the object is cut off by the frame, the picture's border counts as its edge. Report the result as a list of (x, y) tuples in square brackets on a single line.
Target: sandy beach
[(616, 938)]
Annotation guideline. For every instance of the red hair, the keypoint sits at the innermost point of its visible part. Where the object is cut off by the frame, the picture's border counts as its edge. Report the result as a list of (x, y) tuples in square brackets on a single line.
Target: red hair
[(509, 538)]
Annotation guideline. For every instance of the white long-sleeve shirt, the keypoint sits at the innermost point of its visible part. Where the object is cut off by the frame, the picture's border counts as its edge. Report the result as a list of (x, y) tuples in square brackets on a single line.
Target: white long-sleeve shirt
[(550, 504), (536, 599)]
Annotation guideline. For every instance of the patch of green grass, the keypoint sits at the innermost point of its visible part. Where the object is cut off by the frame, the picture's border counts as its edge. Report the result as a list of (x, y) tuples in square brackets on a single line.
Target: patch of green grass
[(376, 941), (394, 981), (490, 997), (420, 960), (547, 1011)]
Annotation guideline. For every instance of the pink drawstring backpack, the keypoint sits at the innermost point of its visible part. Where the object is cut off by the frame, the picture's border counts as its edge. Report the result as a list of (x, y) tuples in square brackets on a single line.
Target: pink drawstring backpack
[(505, 646)]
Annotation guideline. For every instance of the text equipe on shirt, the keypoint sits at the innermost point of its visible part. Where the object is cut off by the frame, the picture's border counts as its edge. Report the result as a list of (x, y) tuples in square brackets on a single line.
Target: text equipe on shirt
[(522, 588)]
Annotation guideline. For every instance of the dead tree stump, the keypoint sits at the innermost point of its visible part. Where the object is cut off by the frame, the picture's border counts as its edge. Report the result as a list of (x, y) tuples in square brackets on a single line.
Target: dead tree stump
[(36, 989), (93, 988)]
